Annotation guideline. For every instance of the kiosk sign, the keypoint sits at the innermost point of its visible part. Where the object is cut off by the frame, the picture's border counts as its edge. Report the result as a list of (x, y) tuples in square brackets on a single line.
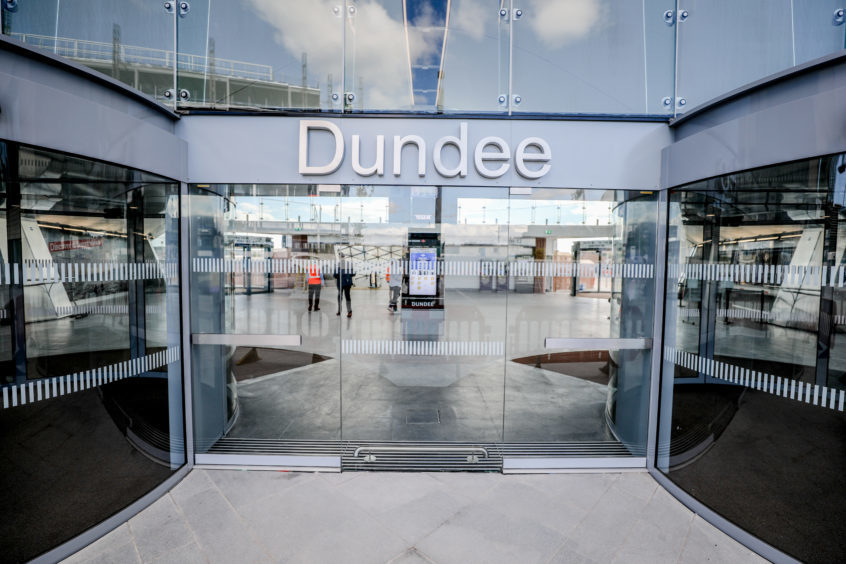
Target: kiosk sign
[(423, 280)]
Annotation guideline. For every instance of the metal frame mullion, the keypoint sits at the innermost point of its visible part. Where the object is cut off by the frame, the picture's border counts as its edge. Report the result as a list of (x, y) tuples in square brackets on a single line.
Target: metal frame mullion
[(14, 255), (661, 235), (185, 320)]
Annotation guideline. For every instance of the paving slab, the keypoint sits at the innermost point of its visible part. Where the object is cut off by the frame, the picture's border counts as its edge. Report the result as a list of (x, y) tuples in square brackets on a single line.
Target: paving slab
[(415, 518)]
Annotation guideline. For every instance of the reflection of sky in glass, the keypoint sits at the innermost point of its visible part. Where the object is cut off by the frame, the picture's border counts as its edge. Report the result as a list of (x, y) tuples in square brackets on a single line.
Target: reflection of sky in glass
[(394, 49), (380, 209), (317, 209), (529, 212)]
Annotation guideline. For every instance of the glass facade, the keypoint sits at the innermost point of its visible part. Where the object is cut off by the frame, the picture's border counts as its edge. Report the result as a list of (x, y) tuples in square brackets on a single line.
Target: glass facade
[(771, 36), (424, 313), (752, 393), (92, 412), (655, 58), (132, 42)]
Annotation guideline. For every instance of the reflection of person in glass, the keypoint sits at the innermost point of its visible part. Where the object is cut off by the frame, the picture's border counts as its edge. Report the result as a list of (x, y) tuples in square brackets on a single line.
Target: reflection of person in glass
[(394, 284), (344, 279), (315, 282)]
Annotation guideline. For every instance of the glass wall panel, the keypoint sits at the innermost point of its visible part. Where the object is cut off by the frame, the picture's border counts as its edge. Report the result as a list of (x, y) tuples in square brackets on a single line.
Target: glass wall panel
[(261, 54), (132, 42), (476, 58), (752, 401), (756, 38), (580, 298), (266, 338), (592, 57), (438, 56), (596, 57), (814, 29), (92, 407)]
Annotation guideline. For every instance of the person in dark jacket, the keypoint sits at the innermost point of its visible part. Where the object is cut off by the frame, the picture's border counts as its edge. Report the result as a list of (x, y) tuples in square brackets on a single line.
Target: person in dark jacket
[(344, 279)]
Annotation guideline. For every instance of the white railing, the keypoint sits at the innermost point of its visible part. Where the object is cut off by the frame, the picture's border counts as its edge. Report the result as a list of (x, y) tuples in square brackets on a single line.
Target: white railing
[(84, 50)]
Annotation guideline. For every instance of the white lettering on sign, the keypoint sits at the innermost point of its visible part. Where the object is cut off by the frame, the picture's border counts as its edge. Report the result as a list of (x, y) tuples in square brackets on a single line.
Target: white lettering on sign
[(305, 126), (399, 143), (488, 152), (522, 156), (481, 156), (460, 143), (378, 167)]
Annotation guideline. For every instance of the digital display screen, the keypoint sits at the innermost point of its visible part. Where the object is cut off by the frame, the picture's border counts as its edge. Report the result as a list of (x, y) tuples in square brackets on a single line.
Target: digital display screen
[(423, 276)]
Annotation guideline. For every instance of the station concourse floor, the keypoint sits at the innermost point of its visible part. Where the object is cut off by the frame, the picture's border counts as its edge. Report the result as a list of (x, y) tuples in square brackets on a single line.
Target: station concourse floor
[(369, 517)]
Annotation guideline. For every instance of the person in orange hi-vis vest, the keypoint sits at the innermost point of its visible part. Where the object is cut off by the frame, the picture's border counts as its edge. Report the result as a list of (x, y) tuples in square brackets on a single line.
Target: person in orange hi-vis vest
[(315, 282)]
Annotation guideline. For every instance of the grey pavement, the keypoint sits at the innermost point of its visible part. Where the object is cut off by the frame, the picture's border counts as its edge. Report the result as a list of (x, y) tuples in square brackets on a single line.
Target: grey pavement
[(352, 517)]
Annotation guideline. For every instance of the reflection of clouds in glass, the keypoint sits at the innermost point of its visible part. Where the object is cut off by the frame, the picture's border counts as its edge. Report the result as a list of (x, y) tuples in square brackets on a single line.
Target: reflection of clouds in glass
[(426, 36), (376, 39), (309, 27), (381, 66), (465, 16), (559, 22)]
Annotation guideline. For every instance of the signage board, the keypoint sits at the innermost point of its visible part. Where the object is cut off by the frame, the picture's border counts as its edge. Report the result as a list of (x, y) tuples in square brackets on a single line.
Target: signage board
[(423, 277)]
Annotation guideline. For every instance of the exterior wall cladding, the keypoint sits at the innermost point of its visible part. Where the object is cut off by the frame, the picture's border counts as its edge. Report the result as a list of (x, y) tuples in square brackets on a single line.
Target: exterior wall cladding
[(623, 232)]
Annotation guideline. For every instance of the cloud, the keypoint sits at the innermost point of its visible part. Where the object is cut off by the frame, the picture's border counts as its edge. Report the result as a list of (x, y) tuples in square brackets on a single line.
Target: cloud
[(379, 62), (244, 210), (559, 22), (467, 17)]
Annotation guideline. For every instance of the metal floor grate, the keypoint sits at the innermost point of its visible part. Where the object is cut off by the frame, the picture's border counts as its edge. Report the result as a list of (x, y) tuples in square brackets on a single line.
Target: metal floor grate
[(431, 457), (398, 456), (234, 445)]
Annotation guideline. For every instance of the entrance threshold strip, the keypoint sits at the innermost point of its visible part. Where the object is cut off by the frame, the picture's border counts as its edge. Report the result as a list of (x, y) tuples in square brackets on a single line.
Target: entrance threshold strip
[(423, 456)]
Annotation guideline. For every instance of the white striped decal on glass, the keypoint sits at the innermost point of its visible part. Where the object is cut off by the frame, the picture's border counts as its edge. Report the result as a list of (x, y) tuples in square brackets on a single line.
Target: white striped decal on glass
[(422, 348), (446, 267), (805, 392), (793, 275), (46, 388), (35, 272), (758, 316)]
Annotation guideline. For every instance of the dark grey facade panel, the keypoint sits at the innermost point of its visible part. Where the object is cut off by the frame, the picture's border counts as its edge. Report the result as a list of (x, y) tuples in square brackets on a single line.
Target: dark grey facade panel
[(802, 116), (794, 83), (44, 107), (48, 64)]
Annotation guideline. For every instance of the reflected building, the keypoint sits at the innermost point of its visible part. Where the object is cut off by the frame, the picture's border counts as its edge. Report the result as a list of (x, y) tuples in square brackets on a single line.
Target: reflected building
[(576, 235)]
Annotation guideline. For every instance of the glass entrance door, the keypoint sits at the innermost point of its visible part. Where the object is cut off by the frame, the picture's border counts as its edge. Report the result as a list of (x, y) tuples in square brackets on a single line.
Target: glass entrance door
[(579, 319), (333, 315), (266, 360), (422, 353)]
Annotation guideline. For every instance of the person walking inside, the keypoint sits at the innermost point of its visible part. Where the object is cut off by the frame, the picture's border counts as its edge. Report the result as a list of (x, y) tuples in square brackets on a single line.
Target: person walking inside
[(344, 279), (315, 283), (394, 285)]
